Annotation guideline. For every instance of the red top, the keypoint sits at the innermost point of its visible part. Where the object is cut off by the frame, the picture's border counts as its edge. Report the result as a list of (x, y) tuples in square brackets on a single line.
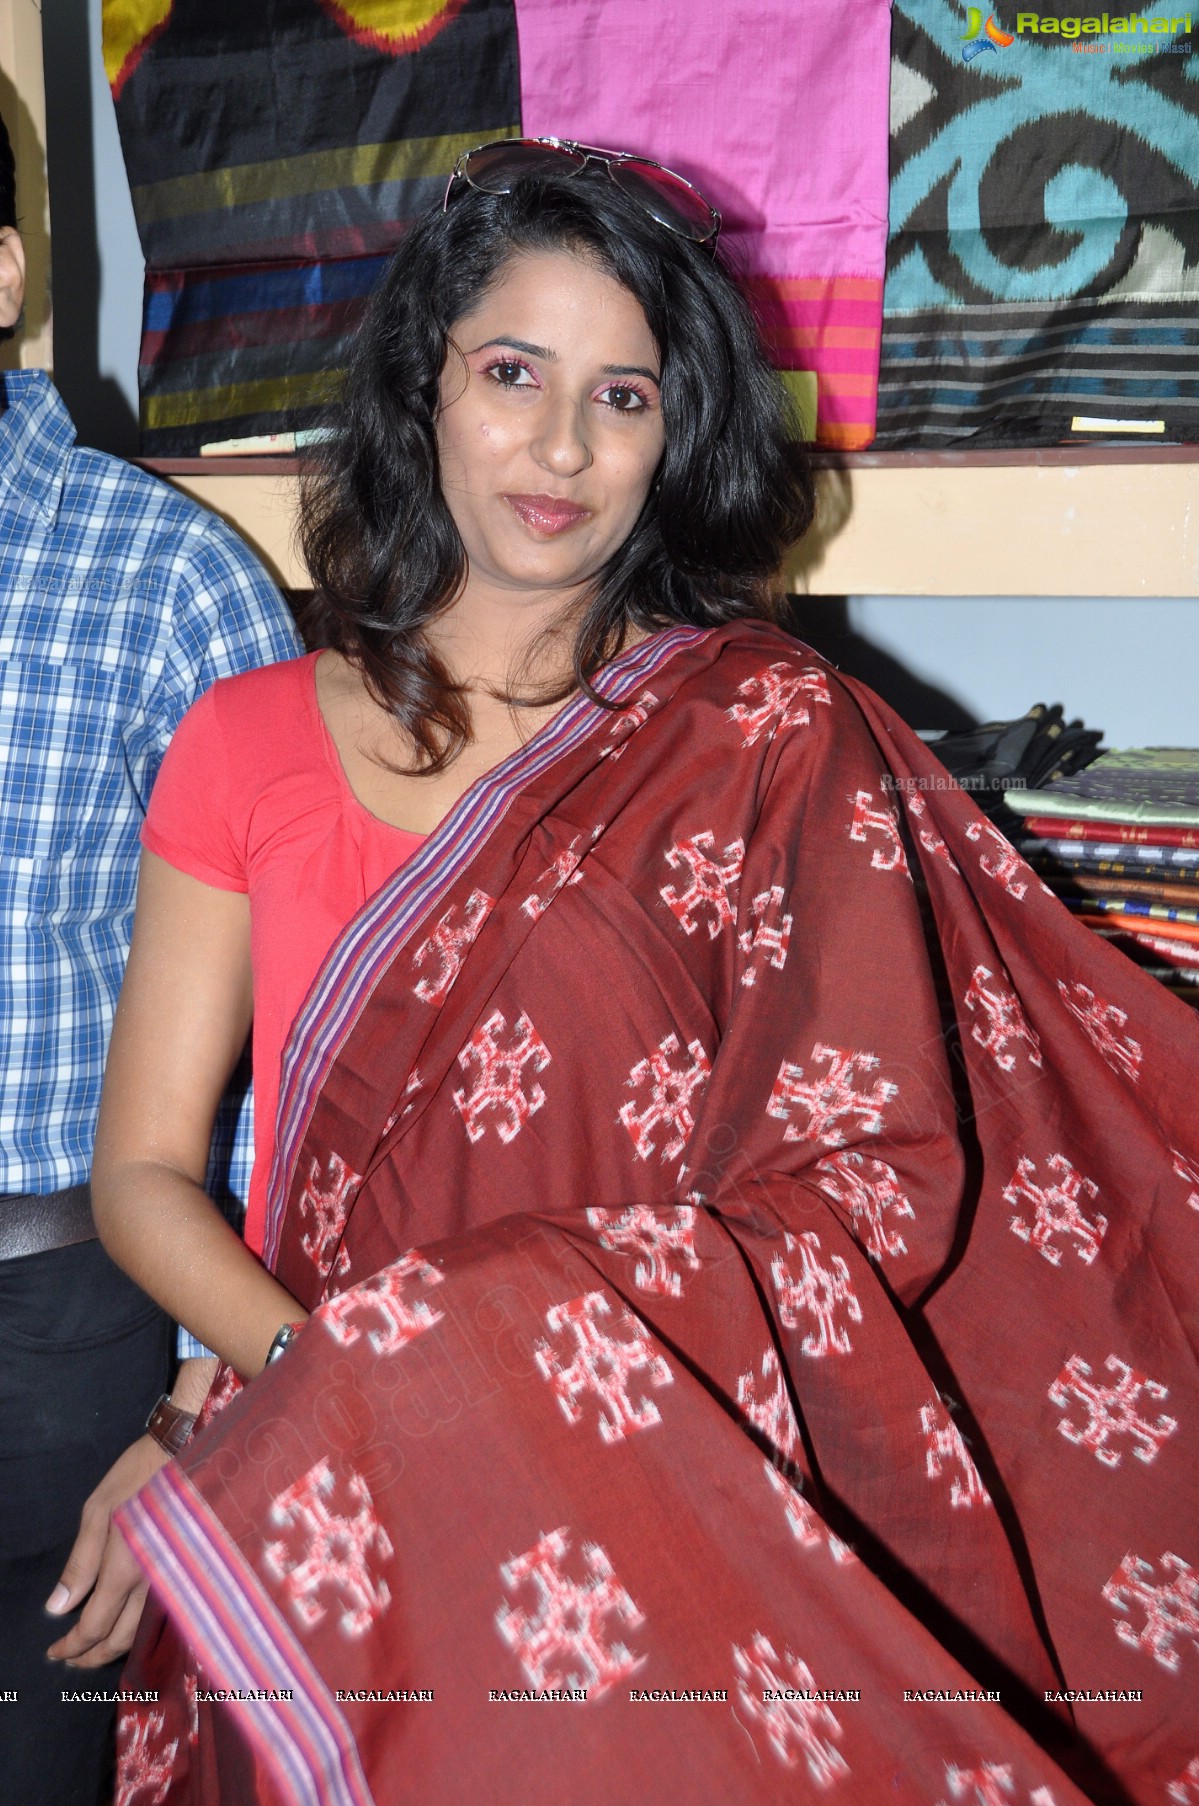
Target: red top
[(252, 797)]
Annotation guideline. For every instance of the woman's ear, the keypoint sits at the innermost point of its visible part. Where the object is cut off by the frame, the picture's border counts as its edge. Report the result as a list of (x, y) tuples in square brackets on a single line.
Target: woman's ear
[(12, 277)]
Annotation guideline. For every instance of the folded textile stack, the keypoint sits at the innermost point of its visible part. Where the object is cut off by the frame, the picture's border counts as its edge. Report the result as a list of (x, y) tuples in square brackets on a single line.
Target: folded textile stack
[(1119, 843)]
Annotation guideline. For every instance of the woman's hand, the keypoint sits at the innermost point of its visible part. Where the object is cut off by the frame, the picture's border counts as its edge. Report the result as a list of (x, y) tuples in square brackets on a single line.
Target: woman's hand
[(181, 1024), (100, 1562)]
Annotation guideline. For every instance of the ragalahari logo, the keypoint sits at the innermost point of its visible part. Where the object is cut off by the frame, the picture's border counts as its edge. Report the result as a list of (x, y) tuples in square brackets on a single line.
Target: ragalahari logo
[(1099, 34), (979, 37)]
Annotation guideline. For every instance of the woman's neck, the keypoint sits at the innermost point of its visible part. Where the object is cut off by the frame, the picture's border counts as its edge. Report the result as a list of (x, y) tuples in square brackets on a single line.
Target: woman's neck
[(497, 643)]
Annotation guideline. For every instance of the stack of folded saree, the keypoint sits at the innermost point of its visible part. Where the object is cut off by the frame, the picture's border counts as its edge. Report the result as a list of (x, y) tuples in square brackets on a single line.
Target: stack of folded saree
[(1119, 843)]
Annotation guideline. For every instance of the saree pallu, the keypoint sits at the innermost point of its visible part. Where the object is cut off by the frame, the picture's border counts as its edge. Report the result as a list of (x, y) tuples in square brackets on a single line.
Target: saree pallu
[(752, 1235)]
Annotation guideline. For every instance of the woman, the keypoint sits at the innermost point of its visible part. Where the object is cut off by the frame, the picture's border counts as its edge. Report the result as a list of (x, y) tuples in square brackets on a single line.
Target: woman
[(739, 1217)]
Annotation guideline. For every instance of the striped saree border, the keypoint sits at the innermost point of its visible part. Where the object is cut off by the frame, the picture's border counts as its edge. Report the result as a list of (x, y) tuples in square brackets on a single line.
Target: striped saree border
[(225, 1612), (256, 347), (215, 297), (369, 943), (273, 395)]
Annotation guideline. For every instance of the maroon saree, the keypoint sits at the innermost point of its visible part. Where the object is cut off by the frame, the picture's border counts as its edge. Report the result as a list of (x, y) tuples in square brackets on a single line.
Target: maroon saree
[(756, 1228)]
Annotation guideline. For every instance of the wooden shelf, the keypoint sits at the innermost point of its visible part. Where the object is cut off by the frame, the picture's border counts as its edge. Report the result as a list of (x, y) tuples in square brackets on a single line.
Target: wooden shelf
[(1060, 521)]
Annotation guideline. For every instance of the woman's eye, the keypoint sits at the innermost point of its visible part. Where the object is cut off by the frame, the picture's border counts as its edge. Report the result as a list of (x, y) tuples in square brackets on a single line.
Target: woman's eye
[(622, 398), (510, 375)]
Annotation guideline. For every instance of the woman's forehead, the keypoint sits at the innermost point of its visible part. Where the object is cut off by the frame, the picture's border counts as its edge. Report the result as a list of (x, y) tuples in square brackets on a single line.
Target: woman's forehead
[(557, 300)]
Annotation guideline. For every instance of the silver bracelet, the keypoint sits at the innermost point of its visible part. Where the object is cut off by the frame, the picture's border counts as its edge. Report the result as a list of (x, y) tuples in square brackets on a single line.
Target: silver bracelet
[(285, 1335)]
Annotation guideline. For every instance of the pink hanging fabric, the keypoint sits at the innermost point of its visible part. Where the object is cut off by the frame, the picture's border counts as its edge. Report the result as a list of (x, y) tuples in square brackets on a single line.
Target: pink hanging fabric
[(779, 114)]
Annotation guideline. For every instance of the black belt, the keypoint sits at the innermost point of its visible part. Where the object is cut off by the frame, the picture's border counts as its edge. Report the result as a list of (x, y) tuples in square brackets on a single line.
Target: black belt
[(35, 1222)]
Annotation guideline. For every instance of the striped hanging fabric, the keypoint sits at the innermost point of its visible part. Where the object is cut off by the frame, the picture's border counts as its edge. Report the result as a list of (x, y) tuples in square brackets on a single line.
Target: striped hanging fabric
[(1043, 269), (275, 152)]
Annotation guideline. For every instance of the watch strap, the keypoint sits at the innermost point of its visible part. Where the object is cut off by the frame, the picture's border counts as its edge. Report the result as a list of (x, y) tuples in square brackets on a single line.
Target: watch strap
[(169, 1426)]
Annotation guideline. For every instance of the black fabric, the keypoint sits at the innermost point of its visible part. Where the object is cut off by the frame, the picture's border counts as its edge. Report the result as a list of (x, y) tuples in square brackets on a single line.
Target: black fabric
[(276, 153)]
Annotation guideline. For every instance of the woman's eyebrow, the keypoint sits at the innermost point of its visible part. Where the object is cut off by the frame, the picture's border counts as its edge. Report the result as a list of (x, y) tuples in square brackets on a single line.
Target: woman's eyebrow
[(542, 351), (551, 357)]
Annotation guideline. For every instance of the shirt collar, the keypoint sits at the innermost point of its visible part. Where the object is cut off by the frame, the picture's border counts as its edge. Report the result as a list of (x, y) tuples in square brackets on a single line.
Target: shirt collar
[(36, 438)]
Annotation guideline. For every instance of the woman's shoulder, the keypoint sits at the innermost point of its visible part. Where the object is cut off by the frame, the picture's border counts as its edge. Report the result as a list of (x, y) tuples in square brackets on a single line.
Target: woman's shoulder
[(753, 645), (753, 667), (248, 722), (282, 685), (248, 738), (269, 703), (759, 702), (771, 691)]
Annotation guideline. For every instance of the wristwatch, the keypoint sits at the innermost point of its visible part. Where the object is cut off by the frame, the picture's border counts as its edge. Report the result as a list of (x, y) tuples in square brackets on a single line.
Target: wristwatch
[(285, 1335), (169, 1426)]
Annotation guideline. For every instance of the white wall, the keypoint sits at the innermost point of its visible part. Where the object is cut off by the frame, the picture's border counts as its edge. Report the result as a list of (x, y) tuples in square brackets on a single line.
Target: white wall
[(97, 260), (121, 265), (1128, 667)]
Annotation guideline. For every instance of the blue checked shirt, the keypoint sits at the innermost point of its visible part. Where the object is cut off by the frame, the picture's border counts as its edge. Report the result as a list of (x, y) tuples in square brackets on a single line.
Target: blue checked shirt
[(121, 602)]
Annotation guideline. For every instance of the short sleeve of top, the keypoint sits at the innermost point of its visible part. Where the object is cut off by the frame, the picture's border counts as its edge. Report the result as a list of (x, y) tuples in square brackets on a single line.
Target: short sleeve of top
[(193, 818), (252, 797)]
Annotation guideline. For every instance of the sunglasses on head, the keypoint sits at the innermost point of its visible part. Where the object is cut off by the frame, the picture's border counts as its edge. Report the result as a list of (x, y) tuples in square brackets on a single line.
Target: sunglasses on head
[(496, 167)]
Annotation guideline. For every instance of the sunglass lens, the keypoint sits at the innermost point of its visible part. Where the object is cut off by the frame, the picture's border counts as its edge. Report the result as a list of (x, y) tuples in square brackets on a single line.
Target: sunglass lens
[(496, 168), (670, 200)]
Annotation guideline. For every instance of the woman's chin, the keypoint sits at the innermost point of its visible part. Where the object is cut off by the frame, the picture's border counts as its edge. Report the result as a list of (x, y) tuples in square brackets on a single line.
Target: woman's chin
[(537, 570)]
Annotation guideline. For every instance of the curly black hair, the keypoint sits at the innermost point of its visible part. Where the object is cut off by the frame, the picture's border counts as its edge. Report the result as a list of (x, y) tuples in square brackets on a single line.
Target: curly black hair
[(732, 492)]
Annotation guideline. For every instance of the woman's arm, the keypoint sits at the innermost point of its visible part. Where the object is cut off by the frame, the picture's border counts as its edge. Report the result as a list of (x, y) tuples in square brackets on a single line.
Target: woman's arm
[(181, 1024)]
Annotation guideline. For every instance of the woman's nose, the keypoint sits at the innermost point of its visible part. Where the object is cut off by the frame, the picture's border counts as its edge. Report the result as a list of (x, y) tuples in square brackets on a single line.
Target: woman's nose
[(561, 443)]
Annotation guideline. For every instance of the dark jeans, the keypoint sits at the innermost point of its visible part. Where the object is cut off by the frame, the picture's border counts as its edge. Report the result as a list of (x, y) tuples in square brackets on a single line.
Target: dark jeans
[(83, 1356)]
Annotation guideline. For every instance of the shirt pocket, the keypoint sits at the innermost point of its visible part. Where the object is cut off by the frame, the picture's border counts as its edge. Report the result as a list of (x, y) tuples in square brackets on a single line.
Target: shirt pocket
[(61, 754)]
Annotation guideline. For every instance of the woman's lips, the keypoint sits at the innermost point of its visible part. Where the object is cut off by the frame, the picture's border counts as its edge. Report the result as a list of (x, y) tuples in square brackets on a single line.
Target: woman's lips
[(547, 514)]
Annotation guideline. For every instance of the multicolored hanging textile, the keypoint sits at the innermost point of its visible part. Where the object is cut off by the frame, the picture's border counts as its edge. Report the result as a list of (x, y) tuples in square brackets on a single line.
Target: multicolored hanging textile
[(779, 114), (275, 152), (1043, 266), (751, 1233)]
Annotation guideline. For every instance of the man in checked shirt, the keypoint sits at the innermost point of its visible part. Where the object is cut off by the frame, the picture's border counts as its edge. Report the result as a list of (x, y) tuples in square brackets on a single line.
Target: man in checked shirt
[(120, 603)]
